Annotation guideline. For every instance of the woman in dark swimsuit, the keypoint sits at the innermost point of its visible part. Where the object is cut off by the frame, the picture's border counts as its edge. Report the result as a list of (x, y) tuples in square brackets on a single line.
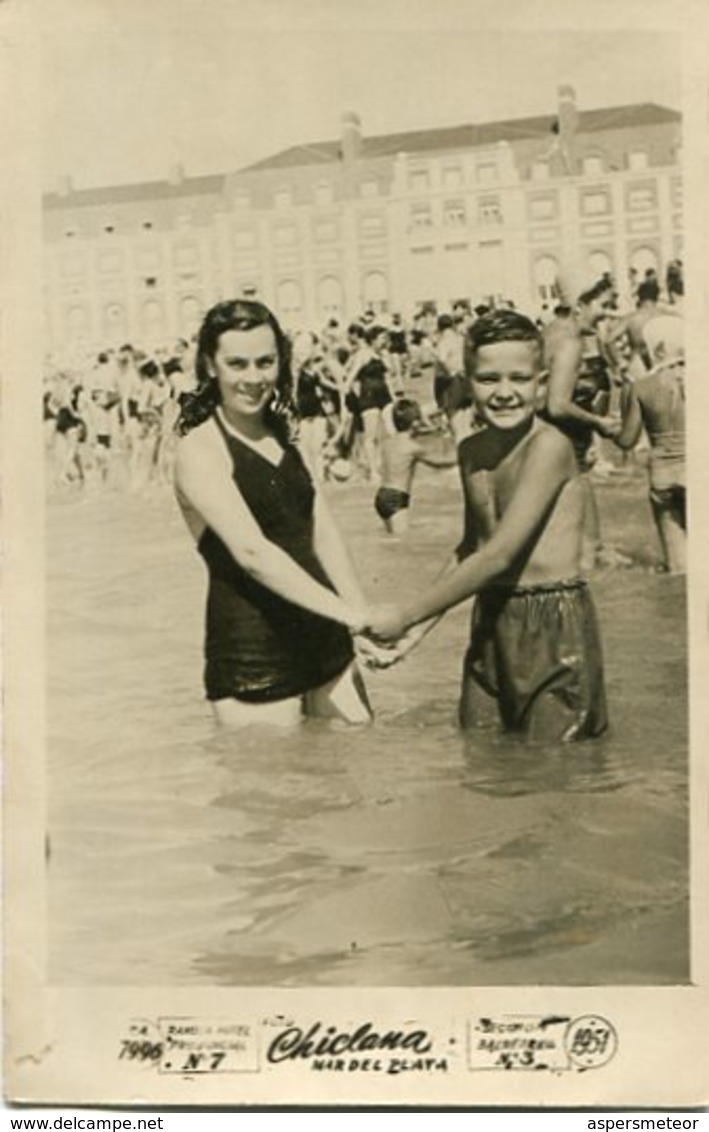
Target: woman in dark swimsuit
[(283, 598)]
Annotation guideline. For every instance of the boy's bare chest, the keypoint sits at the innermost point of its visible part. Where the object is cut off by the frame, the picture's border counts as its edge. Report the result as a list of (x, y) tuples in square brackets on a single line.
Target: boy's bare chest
[(488, 493)]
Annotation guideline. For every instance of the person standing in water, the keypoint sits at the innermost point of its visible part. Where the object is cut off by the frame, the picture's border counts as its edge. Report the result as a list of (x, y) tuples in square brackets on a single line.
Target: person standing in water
[(284, 600)]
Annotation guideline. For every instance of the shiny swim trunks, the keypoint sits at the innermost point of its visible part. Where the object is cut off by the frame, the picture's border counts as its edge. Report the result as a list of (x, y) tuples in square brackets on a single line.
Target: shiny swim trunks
[(537, 651)]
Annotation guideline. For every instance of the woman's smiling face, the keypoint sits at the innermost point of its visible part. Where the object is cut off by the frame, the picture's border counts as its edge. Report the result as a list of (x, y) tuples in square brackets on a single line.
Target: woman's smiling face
[(245, 367)]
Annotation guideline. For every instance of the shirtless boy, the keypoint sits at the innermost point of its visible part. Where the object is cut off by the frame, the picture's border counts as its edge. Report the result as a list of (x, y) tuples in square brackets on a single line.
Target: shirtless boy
[(400, 455), (535, 650)]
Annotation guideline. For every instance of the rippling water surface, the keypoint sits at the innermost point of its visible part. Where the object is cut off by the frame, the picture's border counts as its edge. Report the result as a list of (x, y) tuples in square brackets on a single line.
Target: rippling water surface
[(400, 854)]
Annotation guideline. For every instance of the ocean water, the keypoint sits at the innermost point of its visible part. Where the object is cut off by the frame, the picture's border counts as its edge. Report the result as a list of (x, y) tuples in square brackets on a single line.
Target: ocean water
[(398, 854)]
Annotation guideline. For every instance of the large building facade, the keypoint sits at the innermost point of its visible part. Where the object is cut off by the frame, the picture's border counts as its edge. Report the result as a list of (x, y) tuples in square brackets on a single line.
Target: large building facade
[(328, 228)]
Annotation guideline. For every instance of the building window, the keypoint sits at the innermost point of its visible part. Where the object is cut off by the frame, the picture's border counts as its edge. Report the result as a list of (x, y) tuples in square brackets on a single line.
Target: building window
[(641, 198), (420, 216), (72, 264), (369, 189), (147, 225), (191, 311), (543, 208), (285, 235), (150, 282), (109, 261), (489, 211), (244, 238), (283, 198), (637, 160), (452, 177), (70, 233), (487, 173), (422, 251), (595, 203), (419, 181), (109, 229), (372, 226), (540, 171), (643, 261), (326, 231), (186, 255), (323, 193), (546, 270), (375, 291), (454, 215), (289, 296), (330, 297), (593, 165), (148, 259), (600, 264)]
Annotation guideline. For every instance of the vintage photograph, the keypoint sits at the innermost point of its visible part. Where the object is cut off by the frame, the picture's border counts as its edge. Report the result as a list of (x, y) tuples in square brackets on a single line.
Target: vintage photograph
[(363, 380)]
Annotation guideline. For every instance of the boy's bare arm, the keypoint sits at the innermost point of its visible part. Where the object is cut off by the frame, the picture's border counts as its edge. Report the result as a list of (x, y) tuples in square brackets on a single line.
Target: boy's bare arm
[(543, 473)]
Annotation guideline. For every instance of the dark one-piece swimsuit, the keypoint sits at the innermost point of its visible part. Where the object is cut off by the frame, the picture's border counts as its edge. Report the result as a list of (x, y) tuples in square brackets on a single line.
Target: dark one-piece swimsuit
[(259, 646)]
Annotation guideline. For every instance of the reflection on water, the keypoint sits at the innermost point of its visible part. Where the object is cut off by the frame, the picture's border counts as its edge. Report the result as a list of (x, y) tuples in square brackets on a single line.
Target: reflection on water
[(401, 854)]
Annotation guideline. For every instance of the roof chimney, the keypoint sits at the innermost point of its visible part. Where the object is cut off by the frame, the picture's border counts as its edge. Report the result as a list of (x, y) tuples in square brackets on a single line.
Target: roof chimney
[(568, 114), (65, 186), (351, 137)]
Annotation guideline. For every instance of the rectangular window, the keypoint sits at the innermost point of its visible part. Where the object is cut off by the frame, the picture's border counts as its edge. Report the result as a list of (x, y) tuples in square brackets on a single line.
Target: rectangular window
[(323, 194), (452, 177), (489, 210), (487, 173), (641, 198), (454, 215), (326, 231), (244, 238), (285, 236), (595, 203), (186, 256), (109, 261), (372, 226), (419, 181), (542, 208), (420, 216)]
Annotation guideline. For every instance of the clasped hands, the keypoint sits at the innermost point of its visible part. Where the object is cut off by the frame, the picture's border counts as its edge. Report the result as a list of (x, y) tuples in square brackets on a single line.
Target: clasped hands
[(384, 639)]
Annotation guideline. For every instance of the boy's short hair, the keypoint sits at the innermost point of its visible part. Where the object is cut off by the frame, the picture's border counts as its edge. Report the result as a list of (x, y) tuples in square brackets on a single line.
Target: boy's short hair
[(405, 413), (500, 326)]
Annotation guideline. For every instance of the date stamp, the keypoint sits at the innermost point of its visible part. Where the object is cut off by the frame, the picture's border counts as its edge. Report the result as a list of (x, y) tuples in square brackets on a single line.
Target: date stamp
[(557, 1043)]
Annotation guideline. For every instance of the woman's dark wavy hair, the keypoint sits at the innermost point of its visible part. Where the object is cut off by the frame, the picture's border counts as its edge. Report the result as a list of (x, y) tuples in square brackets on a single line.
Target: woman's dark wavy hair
[(499, 326), (238, 314)]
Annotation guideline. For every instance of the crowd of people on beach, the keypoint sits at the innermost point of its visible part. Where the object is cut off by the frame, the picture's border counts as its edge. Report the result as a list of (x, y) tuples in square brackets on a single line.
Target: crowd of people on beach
[(528, 408)]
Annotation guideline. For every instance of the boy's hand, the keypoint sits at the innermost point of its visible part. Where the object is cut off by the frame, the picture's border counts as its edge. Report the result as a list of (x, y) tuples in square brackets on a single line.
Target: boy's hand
[(609, 427), (386, 623), (376, 656)]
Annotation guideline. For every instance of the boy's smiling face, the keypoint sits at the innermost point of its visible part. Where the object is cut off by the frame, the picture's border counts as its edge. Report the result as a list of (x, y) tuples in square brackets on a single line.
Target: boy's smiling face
[(505, 383)]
